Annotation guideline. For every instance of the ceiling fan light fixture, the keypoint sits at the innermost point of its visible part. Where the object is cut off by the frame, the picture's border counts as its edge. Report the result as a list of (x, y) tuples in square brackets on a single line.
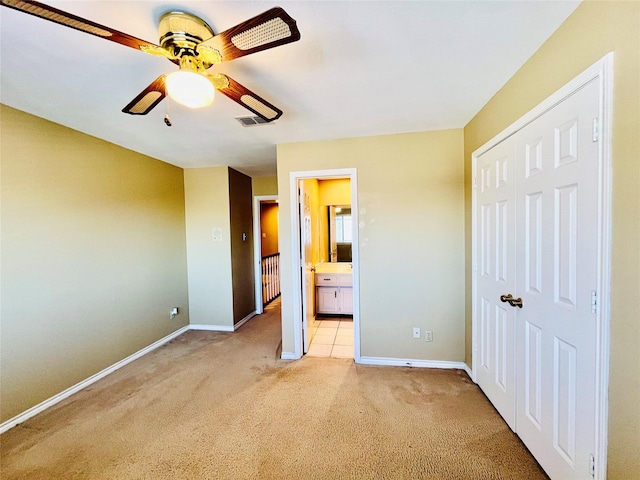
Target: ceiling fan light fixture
[(188, 41), (190, 89)]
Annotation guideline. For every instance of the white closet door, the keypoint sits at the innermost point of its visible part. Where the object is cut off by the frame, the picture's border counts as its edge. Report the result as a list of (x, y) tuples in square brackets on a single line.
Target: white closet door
[(495, 223), (556, 260)]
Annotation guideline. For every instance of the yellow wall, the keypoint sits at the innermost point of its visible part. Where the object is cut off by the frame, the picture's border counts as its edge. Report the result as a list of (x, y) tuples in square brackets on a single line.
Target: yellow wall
[(93, 256), (209, 260), (335, 192), (411, 205), (323, 236), (311, 189), (331, 192), (593, 30), (269, 228)]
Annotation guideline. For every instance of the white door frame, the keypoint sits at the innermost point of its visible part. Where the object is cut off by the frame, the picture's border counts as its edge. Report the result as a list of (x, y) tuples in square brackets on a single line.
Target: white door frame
[(257, 247), (601, 71), (294, 177)]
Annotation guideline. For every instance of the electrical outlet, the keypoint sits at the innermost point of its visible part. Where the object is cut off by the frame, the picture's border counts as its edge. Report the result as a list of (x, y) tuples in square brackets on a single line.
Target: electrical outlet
[(173, 313), (428, 335), (416, 332)]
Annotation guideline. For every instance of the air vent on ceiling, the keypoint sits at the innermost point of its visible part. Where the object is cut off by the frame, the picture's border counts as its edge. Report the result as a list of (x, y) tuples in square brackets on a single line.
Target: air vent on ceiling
[(252, 121)]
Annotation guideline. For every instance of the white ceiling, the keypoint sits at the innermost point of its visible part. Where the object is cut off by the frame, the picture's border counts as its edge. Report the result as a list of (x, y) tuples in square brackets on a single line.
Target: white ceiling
[(361, 68)]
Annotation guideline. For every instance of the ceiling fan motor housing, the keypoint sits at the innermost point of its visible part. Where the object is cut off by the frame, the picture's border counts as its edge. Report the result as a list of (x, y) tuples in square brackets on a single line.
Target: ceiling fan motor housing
[(180, 33)]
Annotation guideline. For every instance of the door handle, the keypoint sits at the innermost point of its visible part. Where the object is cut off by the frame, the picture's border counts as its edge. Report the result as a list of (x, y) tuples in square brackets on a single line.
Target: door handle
[(514, 302)]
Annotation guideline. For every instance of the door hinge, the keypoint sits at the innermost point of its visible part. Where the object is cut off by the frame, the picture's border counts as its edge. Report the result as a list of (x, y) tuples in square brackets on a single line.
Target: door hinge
[(592, 465), (596, 130), (594, 301)]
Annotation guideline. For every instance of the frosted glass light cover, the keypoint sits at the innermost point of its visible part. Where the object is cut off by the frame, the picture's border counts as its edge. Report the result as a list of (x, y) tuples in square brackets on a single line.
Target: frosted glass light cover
[(190, 89)]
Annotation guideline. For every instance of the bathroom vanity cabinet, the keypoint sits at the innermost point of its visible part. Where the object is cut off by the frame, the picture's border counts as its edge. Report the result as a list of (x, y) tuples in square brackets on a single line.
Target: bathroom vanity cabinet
[(334, 293)]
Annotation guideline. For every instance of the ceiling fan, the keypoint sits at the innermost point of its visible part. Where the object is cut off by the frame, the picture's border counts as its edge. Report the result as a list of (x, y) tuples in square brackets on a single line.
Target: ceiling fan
[(190, 43)]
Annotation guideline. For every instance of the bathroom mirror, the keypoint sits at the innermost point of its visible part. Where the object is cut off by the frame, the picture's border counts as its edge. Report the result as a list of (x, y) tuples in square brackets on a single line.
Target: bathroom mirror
[(335, 232)]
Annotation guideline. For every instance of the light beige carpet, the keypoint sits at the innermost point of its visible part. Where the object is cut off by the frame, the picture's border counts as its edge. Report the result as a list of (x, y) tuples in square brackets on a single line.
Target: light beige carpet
[(223, 406)]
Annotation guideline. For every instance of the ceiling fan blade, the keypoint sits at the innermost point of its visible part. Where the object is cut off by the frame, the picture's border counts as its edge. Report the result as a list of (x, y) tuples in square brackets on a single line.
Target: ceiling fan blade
[(78, 23), (267, 30), (148, 98), (245, 97)]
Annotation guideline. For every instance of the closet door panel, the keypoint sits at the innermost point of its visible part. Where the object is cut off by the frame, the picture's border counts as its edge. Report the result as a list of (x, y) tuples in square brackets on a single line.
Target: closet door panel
[(557, 165), (496, 277)]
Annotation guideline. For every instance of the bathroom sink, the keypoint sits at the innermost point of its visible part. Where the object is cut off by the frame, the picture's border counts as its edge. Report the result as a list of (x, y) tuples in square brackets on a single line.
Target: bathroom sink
[(338, 267)]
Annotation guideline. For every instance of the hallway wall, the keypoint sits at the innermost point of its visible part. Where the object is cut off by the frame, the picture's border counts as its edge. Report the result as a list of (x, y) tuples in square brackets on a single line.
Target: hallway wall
[(209, 256)]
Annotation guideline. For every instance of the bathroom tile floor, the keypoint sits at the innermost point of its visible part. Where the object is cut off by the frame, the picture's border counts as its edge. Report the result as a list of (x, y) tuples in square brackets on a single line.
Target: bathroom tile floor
[(332, 337)]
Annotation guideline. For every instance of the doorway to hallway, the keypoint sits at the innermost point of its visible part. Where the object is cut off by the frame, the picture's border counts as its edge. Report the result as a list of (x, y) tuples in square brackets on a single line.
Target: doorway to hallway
[(266, 250)]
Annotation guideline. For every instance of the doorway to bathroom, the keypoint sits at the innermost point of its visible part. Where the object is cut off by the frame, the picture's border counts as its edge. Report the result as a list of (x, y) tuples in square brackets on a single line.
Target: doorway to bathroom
[(325, 239)]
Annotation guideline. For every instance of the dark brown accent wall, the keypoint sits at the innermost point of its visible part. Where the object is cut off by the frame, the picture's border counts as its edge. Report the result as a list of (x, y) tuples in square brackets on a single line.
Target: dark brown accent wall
[(240, 199)]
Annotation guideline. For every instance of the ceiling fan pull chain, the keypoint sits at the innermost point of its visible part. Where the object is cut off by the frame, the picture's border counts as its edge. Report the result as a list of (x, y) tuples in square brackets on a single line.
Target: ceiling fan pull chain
[(167, 119)]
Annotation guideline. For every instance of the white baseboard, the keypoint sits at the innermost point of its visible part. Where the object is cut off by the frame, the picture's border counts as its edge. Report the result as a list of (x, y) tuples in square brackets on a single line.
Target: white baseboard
[(50, 402), (469, 371), (212, 328), (289, 356), (244, 320), (409, 362)]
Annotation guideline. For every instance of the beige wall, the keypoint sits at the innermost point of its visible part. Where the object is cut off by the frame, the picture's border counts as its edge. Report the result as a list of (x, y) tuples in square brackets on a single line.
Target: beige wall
[(93, 256), (594, 29), (209, 260), (264, 186), (240, 210), (411, 205)]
